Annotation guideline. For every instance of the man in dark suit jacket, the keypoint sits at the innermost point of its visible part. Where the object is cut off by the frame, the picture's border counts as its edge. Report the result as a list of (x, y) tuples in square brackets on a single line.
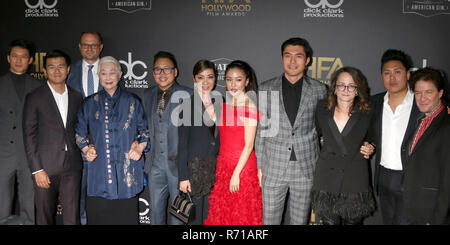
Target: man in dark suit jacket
[(14, 86), (393, 123), (49, 122), (426, 184), (83, 78), (160, 102)]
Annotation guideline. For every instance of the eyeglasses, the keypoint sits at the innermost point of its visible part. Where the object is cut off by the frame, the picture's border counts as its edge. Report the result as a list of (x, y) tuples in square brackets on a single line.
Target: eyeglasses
[(166, 70), (342, 87), (87, 46)]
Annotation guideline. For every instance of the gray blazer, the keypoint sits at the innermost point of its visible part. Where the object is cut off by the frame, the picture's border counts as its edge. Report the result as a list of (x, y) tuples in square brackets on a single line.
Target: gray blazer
[(11, 139), (275, 134), (150, 104)]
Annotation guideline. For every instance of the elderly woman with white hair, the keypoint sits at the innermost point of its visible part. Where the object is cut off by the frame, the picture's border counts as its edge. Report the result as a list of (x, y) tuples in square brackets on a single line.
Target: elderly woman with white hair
[(112, 134)]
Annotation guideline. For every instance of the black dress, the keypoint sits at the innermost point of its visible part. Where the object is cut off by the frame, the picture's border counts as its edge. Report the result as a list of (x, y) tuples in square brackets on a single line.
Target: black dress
[(341, 184)]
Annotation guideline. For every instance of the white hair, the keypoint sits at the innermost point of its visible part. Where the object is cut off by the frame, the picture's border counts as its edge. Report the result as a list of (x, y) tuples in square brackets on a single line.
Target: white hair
[(111, 59)]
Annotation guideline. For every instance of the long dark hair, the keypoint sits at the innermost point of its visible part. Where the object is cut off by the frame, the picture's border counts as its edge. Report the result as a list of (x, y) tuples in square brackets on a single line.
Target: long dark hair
[(249, 73), (362, 97)]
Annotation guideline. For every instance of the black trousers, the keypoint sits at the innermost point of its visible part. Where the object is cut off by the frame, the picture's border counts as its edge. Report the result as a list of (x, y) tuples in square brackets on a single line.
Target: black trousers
[(102, 211), (65, 186), (201, 210), (390, 191)]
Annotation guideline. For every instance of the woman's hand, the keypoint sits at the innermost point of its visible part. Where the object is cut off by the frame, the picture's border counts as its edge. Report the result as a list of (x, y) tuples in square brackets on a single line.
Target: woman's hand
[(135, 152), (367, 149), (185, 186), (234, 183), (260, 177), (90, 153)]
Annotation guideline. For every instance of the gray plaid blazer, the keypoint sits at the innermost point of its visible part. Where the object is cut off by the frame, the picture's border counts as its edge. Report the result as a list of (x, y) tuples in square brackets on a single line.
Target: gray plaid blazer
[(275, 134)]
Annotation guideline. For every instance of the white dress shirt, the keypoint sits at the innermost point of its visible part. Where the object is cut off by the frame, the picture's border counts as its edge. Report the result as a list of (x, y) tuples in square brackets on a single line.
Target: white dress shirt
[(62, 101), (94, 73), (393, 131)]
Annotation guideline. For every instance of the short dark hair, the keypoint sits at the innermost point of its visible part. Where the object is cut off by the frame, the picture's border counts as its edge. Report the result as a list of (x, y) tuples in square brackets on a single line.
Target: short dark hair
[(435, 76), (165, 54), (100, 38), (26, 44), (57, 54), (394, 54), (297, 41)]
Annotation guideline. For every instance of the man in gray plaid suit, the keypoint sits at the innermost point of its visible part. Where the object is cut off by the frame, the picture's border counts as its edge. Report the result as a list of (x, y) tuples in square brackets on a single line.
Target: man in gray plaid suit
[(286, 144)]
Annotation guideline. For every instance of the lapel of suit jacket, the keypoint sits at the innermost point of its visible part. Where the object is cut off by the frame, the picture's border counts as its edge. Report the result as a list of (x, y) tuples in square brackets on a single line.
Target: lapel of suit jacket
[(305, 98), (429, 132), (53, 107), (78, 73), (169, 105), (71, 107), (335, 130), (283, 115), (378, 121), (411, 128)]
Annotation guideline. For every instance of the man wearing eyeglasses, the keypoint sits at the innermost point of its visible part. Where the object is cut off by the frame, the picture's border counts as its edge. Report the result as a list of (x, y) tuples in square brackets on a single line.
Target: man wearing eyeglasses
[(83, 78), (160, 102), (83, 75)]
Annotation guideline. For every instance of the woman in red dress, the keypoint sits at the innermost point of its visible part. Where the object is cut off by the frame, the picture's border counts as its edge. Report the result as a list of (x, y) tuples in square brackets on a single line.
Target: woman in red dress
[(236, 196)]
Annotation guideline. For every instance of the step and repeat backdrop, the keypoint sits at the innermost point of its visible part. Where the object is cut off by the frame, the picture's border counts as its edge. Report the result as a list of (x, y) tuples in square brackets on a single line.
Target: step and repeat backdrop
[(341, 32)]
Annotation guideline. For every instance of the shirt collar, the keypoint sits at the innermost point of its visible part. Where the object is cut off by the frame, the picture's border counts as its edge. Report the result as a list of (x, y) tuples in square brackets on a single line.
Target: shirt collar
[(168, 91), (54, 92), (115, 95), (408, 100), (86, 65), (286, 82)]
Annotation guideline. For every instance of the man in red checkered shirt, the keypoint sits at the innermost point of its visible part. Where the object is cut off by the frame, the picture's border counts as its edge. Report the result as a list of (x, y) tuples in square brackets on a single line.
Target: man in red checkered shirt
[(426, 182)]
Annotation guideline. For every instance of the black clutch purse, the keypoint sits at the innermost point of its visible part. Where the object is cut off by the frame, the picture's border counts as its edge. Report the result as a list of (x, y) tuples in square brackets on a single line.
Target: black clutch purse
[(182, 207)]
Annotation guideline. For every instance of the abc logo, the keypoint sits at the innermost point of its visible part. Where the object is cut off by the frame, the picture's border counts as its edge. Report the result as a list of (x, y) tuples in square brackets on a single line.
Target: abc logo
[(323, 4), (41, 4), (130, 65)]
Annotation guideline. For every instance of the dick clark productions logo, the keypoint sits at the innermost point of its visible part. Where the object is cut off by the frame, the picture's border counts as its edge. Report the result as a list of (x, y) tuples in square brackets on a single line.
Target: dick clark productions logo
[(323, 9), (41, 8)]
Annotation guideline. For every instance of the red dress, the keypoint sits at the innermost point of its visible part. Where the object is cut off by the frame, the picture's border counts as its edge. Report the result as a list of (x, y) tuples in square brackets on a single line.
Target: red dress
[(245, 206)]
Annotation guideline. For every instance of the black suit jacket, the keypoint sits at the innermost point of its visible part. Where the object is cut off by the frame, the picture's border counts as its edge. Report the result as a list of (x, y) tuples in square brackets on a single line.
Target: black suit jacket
[(45, 136), (426, 183), (341, 168), (198, 140), (375, 132), (11, 139)]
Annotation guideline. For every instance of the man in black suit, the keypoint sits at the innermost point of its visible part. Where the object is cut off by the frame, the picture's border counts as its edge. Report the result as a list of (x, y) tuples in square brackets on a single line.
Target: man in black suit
[(426, 184), (13, 165), (49, 121), (393, 123)]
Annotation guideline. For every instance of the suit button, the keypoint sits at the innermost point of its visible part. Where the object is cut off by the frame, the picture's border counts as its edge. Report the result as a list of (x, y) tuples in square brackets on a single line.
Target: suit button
[(11, 112), (289, 148), (293, 134), (12, 142), (14, 127)]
